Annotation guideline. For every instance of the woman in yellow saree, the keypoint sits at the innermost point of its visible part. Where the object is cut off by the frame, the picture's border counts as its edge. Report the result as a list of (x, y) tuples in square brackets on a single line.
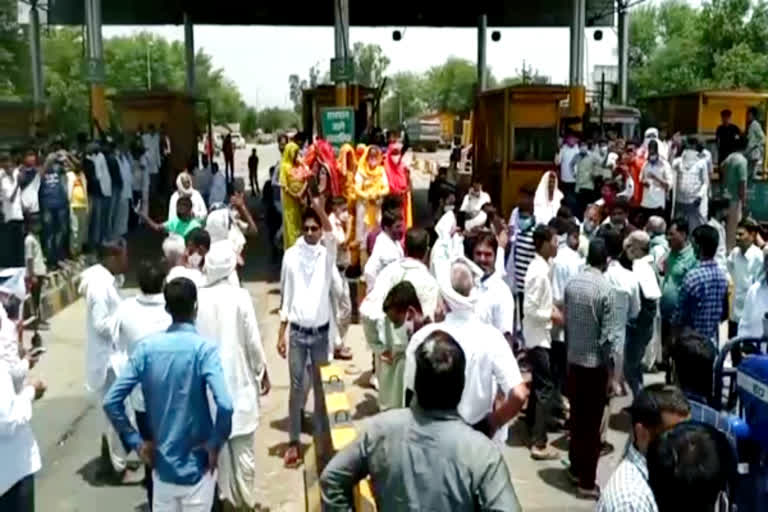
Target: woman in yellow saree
[(294, 187), (371, 186)]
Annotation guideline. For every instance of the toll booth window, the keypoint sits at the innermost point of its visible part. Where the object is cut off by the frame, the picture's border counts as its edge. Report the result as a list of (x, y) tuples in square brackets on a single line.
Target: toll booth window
[(535, 144)]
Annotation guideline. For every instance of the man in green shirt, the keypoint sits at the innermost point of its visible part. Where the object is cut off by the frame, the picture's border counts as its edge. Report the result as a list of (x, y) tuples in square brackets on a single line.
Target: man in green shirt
[(680, 260), (735, 167), (181, 225)]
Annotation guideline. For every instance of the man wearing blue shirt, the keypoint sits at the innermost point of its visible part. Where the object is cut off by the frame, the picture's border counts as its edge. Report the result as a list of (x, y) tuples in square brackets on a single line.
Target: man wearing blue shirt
[(174, 369)]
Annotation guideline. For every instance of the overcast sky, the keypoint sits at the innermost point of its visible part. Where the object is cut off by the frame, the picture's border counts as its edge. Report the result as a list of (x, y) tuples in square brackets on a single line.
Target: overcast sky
[(259, 59)]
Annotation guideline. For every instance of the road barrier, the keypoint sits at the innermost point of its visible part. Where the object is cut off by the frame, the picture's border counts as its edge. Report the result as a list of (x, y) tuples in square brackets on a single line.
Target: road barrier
[(334, 432)]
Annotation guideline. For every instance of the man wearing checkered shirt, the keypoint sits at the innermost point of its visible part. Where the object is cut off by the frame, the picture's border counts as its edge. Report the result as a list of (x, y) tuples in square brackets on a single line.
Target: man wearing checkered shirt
[(592, 339), (703, 293), (656, 409)]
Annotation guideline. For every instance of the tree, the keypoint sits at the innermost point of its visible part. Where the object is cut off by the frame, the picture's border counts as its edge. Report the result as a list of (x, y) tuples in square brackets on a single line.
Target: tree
[(14, 52), (297, 86), (370, 64), (405, 90), (451, 86), (676, 47), (275, 119)]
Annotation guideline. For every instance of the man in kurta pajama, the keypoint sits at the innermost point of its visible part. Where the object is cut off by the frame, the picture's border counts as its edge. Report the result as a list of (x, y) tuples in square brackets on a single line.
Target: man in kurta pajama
[(387, 341)]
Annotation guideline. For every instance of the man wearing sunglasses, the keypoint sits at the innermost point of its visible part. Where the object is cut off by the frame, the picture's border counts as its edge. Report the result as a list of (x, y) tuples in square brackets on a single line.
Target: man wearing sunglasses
[(305, 283)]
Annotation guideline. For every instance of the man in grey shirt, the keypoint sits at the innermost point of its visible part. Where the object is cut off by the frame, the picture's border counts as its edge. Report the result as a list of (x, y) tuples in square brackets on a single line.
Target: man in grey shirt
[(424, 457)]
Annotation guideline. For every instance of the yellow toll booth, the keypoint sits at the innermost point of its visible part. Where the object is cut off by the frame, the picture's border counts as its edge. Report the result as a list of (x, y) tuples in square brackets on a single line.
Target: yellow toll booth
[(698, 112), (515, 133), (176, 110)]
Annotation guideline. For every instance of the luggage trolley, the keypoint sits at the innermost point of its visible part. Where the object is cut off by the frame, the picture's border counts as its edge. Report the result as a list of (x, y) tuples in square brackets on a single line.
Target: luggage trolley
[(739, 409)]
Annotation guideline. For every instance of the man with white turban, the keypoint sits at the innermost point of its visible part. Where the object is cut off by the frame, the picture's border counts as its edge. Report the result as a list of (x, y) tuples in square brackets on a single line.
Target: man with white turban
[(184, 188), (225, 314), (491, 366)]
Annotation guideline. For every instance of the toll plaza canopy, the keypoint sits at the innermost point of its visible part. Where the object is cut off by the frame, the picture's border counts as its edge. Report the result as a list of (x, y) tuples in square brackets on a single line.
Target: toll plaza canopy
[(403, 13)]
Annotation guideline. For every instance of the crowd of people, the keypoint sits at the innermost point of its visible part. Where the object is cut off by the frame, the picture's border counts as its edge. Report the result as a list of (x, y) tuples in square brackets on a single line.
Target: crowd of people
[(618, 264)]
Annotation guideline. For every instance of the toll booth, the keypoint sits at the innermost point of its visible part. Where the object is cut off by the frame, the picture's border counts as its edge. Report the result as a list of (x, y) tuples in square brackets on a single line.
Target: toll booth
[(515, 134), (21, 123), (360, 98), (176, 110), (697, 113)]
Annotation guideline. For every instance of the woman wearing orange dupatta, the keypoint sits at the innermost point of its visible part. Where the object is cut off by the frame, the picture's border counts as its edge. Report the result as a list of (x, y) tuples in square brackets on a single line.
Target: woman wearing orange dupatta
[(399, 180), (371, 185), (347, 170)]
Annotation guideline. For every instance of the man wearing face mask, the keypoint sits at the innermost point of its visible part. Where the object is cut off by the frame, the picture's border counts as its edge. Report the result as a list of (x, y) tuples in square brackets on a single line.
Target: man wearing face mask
[(655, 410), (99, 286), (585, 168), (386, 337), (656, 178)]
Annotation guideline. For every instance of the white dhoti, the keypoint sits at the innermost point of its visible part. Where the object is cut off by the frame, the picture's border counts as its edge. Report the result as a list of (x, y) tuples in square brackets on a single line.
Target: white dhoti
[(237, 472), (341, 306)]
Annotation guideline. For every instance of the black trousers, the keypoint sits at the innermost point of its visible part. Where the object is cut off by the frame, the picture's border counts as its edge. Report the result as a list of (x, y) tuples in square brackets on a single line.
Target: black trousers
[(542, 392), (20, 497), (12, 241)]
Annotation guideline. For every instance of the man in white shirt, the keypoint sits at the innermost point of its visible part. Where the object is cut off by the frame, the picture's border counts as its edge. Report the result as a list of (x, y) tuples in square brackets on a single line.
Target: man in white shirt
[(151, 141), (656, 177), (99, 285), (21, 455), (495, 303), (387, 247), (745, 266), (565, 265), (626, 290), (387, 341), (691, 184), (305, 285), (565, 159), (12, 225), (474, 200), (491, 366), (120, 227), (139, 317), (539, 315), (226, 315), (755, 305)]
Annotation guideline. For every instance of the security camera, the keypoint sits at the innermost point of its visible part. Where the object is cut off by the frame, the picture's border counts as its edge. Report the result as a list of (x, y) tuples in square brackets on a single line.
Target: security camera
[(396, 35), (495, 36), (598, 35)]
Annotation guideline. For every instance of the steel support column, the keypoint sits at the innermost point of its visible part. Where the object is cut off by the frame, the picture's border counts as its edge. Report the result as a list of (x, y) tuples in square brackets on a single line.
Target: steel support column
[(482, 41), (189, 52), (623, 51), (35, 56), (341, 44), (95, 64)]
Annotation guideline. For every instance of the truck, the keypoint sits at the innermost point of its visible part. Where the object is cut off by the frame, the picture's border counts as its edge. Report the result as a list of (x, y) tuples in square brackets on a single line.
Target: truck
[(423, 134)]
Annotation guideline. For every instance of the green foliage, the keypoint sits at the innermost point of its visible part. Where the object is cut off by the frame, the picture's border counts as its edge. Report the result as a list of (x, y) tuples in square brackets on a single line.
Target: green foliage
[(14, 52), (451, 86), (407, 90), (370, 64), (676, 47)]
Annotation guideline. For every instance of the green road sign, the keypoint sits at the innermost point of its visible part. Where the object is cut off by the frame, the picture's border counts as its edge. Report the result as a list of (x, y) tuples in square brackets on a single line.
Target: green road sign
[(94, 70), (342, 70), (338, 125)]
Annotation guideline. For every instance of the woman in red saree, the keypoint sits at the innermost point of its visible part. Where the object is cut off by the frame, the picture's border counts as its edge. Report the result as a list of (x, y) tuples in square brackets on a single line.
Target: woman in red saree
[(399, 178)]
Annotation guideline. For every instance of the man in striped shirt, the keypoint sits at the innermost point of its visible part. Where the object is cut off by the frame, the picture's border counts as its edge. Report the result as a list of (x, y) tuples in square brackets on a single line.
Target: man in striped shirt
[(521, 226)]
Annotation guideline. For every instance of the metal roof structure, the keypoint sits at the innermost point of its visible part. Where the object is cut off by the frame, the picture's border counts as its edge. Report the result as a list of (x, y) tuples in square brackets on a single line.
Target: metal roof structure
[(398, 13)]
